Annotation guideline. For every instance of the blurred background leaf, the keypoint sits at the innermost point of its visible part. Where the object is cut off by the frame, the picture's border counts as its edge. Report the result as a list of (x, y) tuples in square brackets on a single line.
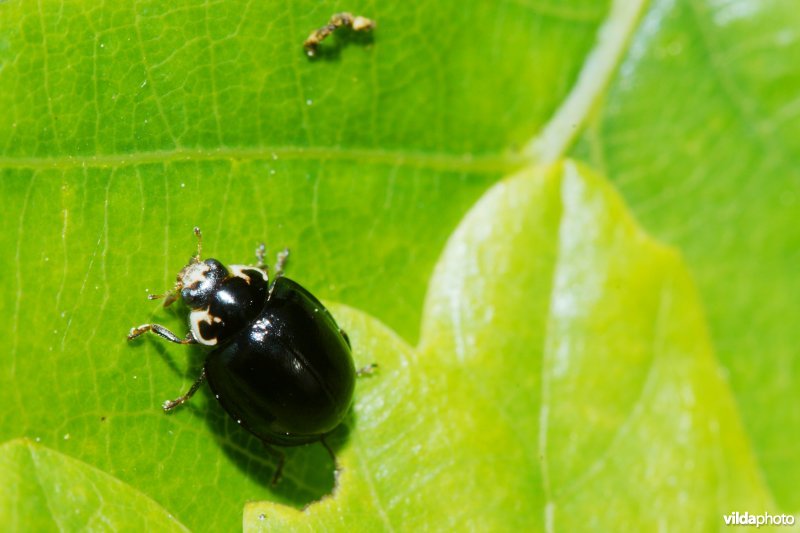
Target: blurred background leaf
[(126, 124), (700, 133), (44, 490)]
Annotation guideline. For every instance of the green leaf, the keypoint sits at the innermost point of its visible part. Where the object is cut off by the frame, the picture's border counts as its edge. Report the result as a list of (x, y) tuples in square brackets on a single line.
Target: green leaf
[(563, 357), (700, 133), (44, 490), (124, 125)]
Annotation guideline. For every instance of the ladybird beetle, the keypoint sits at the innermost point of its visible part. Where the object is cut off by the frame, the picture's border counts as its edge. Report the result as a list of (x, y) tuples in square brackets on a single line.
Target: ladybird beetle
[(280, 365)]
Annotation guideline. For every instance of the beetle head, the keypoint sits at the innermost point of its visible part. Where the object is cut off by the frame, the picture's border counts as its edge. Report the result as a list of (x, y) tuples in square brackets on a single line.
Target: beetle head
[(198, 280)]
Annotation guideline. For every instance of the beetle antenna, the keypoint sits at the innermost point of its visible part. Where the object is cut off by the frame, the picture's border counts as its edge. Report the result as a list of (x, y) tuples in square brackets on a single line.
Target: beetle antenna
[(170, 297), (199, 234)]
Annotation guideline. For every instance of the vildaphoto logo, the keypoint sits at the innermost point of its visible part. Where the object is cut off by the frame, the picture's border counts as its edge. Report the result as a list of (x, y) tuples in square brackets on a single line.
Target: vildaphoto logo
[(764, 519)]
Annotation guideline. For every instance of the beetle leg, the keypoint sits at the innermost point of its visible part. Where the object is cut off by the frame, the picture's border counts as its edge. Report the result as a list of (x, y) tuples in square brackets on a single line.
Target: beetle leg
[(367, 370), (280, 263), (332, 454), (169, 405), (283, 256), (344, 334), (280, 457), (261, 252), (162, 332)]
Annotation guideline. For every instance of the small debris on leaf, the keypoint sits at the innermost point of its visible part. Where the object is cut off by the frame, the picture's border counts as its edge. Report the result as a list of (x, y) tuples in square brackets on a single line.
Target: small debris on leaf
[(356, 23)]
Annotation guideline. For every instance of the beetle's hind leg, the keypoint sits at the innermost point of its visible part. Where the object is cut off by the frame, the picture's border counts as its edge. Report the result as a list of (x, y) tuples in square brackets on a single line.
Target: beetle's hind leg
[(330, 451), (279, 457), (169, 405)]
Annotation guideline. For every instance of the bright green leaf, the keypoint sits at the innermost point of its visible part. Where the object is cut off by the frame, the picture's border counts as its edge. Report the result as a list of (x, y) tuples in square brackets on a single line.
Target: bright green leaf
[(564, 379), (700, 132)]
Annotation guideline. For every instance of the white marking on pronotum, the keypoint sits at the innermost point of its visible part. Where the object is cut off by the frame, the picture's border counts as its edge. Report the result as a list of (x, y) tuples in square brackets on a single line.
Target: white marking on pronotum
[(238, 272), (194, 273), (202, 315)]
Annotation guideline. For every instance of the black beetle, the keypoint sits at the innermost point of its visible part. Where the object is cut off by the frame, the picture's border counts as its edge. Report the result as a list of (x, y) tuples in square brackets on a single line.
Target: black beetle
[(281, 366)]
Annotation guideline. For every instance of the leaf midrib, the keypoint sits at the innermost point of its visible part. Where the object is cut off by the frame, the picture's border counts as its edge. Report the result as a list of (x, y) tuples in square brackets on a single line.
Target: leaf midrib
[(429, 160)]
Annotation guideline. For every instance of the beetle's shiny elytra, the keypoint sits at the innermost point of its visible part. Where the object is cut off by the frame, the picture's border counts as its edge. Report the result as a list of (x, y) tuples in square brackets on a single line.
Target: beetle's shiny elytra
[(280, 365)]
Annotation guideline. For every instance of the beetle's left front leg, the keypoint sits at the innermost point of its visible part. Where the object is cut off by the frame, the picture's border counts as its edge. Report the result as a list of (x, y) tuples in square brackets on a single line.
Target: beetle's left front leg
[(162, 332), (169, 405)]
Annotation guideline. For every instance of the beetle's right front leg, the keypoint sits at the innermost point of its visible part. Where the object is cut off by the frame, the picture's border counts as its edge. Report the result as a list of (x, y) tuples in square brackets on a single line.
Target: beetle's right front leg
[(162, 332)]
